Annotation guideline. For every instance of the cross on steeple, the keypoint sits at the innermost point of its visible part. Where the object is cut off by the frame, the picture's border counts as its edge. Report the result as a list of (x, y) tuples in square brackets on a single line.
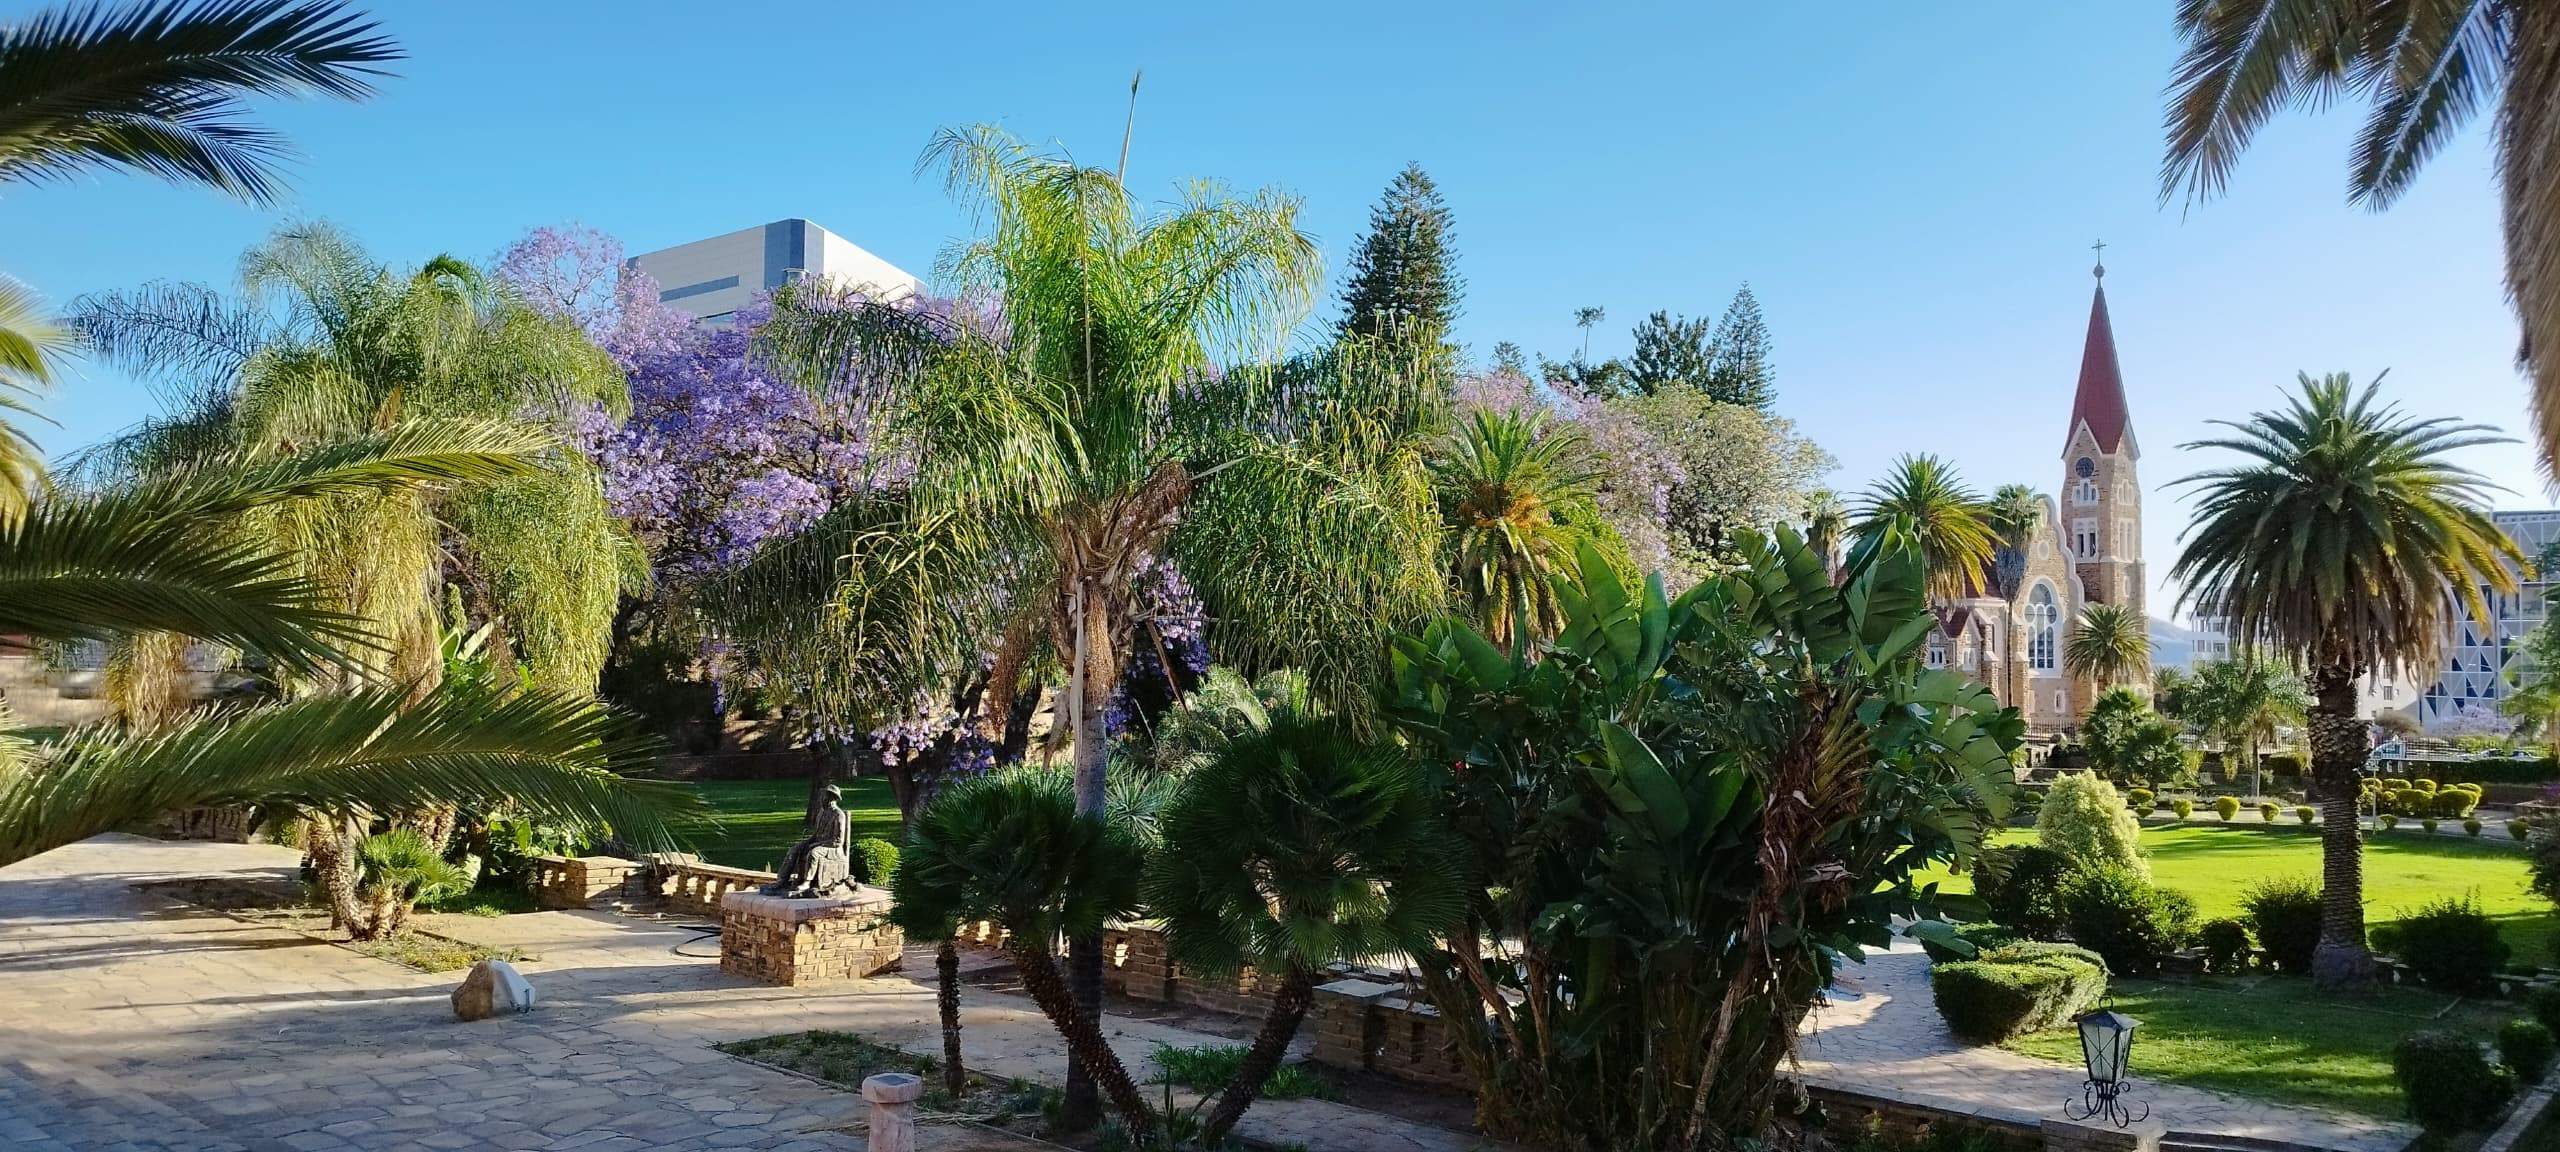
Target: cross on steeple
[(2101, 249)]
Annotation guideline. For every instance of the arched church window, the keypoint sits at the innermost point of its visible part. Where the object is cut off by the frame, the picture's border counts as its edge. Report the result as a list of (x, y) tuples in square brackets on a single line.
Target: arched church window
[(2044, 618), (1937, 652)]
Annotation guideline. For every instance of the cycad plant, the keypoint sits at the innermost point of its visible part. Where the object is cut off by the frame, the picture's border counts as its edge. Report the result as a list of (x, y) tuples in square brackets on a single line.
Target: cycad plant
[(1011, 848), (400, 871), (1293, 845), (1516, 495), (2346, 541), (1925, 500), (2110, 644)]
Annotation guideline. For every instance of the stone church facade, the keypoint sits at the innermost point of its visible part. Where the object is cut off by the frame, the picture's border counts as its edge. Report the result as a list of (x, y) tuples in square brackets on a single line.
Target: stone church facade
[(2085, 548)]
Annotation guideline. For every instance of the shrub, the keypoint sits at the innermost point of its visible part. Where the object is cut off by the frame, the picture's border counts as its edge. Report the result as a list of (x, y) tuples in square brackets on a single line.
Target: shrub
[(875, 861), (2282, 764), (2284, 913), (2447, 1080), (2226, 807), (2544, 1001), (2085, 820), (2451, 945), (2226, 945), (2471, 825), (2019, 988), (2526, 1047), (2518, 829), (2456, 801), (2139, 800), (2118, 914), (2390, 820), (2267, 810), (2022, 888), (2183, 807), (2304, 814), (2428, 824)]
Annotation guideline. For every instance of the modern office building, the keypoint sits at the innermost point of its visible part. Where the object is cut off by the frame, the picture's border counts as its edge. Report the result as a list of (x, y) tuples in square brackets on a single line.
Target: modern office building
[(710, 279), (2479, 656)]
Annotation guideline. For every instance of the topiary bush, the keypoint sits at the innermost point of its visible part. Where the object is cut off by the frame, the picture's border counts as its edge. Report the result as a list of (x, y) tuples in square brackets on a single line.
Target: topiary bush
[(2139, 800), (2022, 888), (2305, 814), (2183, 807), (2518, 829), (2226, 807), (2390, 820), (2470, 825), (2119, 914), (2544, 1002), (2450, 944), (2283, 912), (2447, 1080), (2525, 1047), (2226, 945), (2267, 811), (2085, 820), (2428, 824), (2018, 988), (875, 861), (2456, 801)]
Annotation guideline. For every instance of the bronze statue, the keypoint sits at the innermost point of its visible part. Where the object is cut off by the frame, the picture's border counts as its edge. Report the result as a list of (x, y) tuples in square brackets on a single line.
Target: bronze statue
[(821, 863)]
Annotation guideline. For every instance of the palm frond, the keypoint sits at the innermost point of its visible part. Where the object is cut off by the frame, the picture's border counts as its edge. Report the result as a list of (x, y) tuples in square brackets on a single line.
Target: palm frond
[(157, 87), (2430, 64), (549, 757), (2244, 61)]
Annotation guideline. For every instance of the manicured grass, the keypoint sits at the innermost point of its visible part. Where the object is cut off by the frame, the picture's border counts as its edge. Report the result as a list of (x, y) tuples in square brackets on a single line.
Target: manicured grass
[(753, 822), (2214, 864), (2274, 1038)]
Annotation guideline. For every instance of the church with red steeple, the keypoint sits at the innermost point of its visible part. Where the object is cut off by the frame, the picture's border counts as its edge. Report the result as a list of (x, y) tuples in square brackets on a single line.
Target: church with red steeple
[(2085, 548)]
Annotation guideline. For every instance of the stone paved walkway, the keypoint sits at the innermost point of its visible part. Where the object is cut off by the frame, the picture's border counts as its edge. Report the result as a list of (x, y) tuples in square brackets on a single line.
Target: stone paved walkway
[(129, 1021), (1882, 1033)]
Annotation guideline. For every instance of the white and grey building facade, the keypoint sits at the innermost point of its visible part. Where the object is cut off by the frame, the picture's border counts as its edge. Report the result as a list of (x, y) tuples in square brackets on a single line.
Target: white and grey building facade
[(711, 279), (2478, 666)]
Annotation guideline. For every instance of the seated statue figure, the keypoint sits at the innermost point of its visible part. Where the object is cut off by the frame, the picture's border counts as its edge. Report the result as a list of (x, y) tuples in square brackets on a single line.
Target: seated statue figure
[(821, 863)]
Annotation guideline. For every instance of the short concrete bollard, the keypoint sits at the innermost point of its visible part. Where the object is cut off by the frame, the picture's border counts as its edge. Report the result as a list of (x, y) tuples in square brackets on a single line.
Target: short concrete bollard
[(893, 1110)]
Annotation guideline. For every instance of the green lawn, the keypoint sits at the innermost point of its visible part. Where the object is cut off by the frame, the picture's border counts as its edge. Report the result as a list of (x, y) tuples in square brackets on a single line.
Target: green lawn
[(2402, 870), (753, 822), (2273, 1038)]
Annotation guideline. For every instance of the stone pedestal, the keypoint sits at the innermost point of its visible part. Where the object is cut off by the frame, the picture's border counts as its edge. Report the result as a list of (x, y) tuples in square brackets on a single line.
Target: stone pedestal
[(2100, 1136), (773, 940), (893, 1110)]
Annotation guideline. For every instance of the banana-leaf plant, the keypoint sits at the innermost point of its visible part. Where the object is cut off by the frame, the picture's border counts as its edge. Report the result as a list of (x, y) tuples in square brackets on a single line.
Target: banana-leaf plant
[(1684, 813)]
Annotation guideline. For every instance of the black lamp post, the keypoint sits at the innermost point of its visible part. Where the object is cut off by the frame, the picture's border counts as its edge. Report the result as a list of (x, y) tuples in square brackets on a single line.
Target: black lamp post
[(2106, 1047)]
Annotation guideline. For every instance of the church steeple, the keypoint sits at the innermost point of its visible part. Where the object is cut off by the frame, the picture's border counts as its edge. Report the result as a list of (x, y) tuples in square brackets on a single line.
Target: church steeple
[(2100, 400)]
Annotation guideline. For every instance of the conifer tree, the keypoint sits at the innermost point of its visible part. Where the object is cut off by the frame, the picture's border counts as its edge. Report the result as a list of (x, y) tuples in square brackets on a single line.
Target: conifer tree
[(1403, 275), (1743, 374), (1670, 351)]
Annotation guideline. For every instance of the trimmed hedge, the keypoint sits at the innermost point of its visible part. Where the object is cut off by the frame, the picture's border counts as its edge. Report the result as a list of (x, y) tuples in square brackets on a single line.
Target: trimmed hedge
[(875, 861), (2448, 1081), (2226, 807), (2267, 810), (2525, 1046), (2018, 988), (2119, 914)]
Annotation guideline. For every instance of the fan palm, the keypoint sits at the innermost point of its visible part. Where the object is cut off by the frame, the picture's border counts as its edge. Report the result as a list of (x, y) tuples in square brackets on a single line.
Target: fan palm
[(2426, 69), (2345, 542), (1014, 849), (1945, 519), (1290, 847), (2109, 645), (1516, 495)]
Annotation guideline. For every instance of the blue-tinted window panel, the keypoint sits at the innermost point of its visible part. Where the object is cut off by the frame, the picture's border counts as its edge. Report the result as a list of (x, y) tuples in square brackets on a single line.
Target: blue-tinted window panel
[(673, 294)]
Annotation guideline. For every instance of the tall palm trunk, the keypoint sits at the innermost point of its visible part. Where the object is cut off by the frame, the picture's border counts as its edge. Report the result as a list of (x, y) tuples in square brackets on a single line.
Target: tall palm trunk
[(1094, 677), (2338, 749), (1279, 1026), (330, 843), (1085, 1046), (946, 969)]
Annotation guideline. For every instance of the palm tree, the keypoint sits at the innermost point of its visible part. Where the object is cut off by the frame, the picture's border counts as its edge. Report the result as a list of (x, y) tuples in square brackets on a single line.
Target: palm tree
[(1585, 319), (1826, 523), (1515, 497), (1944, 518), (1013, 848), (2241, 702), (1290, 847), (2425, 69), (2346, 542), (151, 556), (2109, 645), (1083, 424), (2013, 513)]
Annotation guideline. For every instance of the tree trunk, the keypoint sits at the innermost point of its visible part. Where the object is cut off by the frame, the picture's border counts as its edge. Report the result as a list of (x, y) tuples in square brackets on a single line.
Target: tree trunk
[(946, 966), (2338, 750), (330, 841), (1279, 1026), (1093, 675), (1086, 1048)]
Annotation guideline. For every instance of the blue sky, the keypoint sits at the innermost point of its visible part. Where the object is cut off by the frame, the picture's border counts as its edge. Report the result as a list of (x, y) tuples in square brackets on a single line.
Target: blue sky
[(1911, 193)]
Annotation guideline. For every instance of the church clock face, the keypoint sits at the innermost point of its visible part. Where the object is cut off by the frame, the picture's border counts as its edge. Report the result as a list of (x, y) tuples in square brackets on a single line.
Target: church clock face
[(2084, 467)]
